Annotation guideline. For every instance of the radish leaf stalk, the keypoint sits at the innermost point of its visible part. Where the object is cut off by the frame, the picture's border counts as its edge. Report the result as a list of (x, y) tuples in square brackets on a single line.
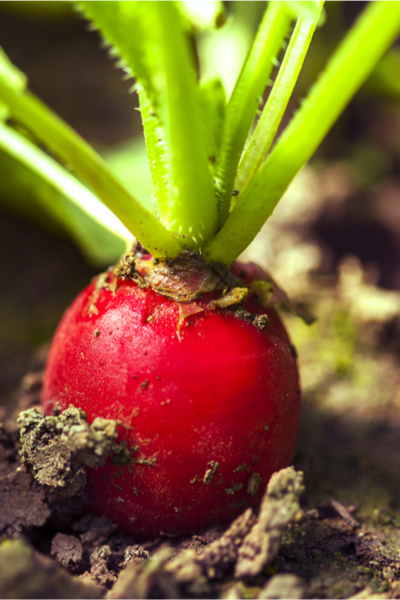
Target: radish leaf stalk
[(87, 164), (347, 70), (212, 108), (243, 104), (164, 68), (94, 234), (192, 208), (137, 53), (156, 154), (267, 126)]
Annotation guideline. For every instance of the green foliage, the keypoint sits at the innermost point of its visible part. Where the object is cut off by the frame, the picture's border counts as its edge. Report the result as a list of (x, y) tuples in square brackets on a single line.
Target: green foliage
[(159, 58), (95, 228), (345, 73), (26, 109), (244, 102), (203, 15), (304, 9), (216, 175), (385, 79), (10, 75), (212, 109), (192, 206), (271, 116)]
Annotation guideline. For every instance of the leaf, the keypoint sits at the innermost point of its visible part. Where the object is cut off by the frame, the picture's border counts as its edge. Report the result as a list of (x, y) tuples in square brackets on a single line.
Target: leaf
[(157, 156), (159, 56), (9, 73), (4, 112), (244, 102), (28, 170), (278, 99), (222, 53), (67, 145), (385, 79), (212, 107), (193, 211), (201, 15), (131, 29), (360, 51), (129, 163), (304, 9)]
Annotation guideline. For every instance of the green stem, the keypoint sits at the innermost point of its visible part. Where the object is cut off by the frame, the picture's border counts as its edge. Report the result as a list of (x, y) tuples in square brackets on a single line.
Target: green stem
[(93, 226), (267, 126), (243, 104), (156, 154), (192, 205), (27, 153), (86, 163), (356, 57)]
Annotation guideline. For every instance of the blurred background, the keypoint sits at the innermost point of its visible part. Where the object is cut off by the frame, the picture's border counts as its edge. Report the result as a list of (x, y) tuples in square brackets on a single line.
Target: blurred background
[(333, 243)]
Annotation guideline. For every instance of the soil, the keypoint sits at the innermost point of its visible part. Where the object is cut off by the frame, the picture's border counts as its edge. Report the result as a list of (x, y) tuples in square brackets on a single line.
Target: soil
[(334, 244)]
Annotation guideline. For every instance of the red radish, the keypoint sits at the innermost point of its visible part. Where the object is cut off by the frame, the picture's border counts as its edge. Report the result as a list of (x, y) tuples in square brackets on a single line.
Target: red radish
[(209, 402)]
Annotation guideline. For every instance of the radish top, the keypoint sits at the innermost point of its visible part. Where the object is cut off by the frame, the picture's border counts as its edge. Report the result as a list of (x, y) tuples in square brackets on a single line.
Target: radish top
[(217, 167)]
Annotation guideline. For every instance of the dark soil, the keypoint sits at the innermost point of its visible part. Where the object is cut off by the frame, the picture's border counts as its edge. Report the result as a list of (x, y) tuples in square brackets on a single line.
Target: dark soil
[(343, 539)]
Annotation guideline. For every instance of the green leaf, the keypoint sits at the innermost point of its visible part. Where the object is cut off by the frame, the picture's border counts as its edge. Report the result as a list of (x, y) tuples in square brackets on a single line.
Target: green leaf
[(128, 161), (10, 75), (87, 164), (304, 9), (159, 56), (386, 77), (351, 64), (192, 206), (212, 107), (244, 102), (202, 15), (157, 156), (4, 112), (131, 30), (95, 228), (222, 53), (273, 111)]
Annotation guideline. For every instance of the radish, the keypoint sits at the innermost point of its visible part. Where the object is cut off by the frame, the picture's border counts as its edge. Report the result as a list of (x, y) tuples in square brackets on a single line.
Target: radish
[(208, 401), (179, 343)]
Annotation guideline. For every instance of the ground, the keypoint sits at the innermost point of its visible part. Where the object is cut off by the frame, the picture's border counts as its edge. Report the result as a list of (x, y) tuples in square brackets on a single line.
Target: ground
[(334, 246)]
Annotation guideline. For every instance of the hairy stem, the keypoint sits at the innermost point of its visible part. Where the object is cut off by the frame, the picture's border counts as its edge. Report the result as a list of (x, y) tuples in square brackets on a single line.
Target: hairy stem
[(86, 163), (192, 204), (156, 154), (354, 60), (243, 104), (271, 116)]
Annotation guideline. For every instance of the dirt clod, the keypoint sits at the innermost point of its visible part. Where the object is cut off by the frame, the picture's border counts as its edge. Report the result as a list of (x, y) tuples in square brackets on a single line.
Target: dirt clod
[(222, 554), (67, 549), (135, 554), (94, 530), (278, 508), (57, 449), (25, 573), (23, 504), (147, 579), (284, 586), (100, 572)]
